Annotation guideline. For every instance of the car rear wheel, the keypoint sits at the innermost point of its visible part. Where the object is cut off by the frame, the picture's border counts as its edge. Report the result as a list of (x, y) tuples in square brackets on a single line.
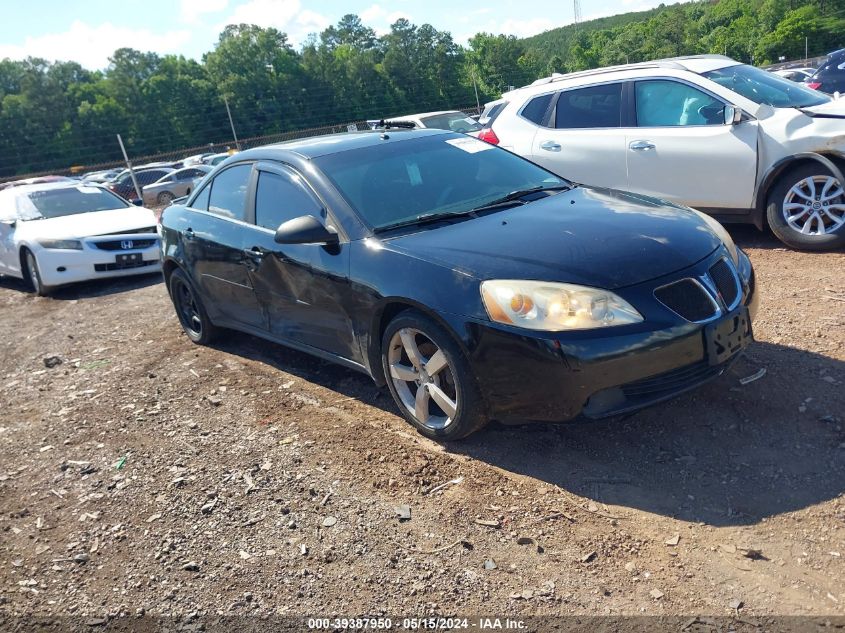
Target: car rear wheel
[(806, 209), (430, 379), (32, 275), (190, 310), (165, 197)]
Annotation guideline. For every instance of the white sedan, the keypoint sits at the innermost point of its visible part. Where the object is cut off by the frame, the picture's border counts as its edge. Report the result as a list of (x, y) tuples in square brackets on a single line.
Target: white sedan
[(55, 234)]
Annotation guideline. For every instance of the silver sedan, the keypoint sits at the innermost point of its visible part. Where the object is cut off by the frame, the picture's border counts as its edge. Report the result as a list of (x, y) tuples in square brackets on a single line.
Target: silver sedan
[(174, 185)]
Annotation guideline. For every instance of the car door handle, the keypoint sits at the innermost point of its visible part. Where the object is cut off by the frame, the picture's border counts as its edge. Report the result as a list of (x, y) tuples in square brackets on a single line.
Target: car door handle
[(641, 146), (189, 234), (253, 257), (550, 146)]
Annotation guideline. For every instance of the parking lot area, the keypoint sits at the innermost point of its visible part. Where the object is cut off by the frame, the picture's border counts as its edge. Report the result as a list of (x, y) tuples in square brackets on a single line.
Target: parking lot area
[(142, 474)]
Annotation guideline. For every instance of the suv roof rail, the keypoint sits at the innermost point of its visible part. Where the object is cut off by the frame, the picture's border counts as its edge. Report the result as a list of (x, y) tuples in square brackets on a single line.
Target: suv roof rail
[(669, 62)]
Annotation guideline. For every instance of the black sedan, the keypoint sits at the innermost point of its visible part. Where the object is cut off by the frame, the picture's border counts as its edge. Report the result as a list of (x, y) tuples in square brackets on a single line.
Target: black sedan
[(472, 282)]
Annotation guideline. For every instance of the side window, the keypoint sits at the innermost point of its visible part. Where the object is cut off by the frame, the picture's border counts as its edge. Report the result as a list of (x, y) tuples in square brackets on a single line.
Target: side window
[(663, 103), (282, 198), (535, 110), (228, 192), (201, 201), (596, 106)]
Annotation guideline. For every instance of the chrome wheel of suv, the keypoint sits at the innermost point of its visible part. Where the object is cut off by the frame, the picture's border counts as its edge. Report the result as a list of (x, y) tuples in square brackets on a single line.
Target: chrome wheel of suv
[(815, 206)]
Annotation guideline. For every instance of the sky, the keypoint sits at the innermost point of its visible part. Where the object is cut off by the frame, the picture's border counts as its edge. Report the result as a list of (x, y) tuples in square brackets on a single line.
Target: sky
[(89, 31)]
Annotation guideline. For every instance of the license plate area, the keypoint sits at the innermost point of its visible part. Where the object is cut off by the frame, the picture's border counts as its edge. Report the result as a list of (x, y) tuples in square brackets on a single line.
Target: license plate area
[(128, 260), (728, 336)]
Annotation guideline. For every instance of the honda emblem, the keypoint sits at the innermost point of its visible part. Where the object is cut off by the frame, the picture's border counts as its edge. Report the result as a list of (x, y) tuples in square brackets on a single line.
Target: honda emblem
[(126, 244)]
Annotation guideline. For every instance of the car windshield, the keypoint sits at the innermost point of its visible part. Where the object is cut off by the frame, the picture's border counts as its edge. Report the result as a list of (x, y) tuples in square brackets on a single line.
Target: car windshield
[(400, 182), (54, 203), (452, 121), (764, 87)]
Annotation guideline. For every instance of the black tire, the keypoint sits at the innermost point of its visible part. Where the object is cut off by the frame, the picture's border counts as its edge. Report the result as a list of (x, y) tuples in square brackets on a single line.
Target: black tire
[(32, 275), (165, 197), (455, 378), (190, 310), (777, 216)]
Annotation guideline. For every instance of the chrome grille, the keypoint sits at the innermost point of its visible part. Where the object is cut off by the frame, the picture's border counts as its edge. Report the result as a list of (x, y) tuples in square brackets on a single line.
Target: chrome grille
[(688, 299), (723, 275), (126, 244)]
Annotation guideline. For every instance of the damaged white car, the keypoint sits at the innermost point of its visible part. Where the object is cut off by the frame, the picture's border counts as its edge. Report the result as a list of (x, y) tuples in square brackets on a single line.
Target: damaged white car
[(732, 140)]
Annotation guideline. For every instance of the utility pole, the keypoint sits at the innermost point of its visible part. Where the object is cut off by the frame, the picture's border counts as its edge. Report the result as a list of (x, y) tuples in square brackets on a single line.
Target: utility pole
[(129, 167), (475, 86), (232, 123), (805, 50), (576, 12)]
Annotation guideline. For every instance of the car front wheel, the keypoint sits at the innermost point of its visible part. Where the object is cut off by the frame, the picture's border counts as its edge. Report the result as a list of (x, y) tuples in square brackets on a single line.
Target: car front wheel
[(190, 310), (430, 379), (32, 274), (806, 209), (165, 197)]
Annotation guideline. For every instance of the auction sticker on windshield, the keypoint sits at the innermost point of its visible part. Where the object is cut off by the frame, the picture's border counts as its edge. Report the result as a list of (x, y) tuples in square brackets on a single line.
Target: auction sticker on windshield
[(469, 144)]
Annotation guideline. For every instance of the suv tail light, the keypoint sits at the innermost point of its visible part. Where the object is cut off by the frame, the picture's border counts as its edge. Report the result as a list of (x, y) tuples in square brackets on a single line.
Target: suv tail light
[(815, 85), (489, 136)]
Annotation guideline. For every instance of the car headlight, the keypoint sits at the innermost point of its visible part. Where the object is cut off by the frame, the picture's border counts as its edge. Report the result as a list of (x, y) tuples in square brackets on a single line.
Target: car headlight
[(67, 245), (723, 235), (541, 305)]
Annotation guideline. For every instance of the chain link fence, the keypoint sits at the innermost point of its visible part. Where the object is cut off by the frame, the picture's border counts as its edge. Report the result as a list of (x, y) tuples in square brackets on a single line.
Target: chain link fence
[(224, 146)]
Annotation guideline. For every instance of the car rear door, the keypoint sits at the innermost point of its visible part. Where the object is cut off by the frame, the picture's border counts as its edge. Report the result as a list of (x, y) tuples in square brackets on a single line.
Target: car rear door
[(580, 136), (682, 150), (301, 286), (213, 237)]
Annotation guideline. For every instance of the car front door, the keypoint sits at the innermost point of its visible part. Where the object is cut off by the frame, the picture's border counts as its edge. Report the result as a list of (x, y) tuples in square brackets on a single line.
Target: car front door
[(580, 137), (213, 237), (683, 151), (301, 286)]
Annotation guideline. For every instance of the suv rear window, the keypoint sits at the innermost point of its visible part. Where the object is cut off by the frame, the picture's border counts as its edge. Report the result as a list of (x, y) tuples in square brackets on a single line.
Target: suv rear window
[(491, 111), (591, 107), (535, 110)]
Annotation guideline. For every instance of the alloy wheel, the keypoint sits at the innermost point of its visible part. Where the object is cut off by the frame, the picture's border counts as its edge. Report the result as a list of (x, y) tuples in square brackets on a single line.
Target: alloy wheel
[(815, 206), (165, 197), (32, 270), (423, 378), (186, 307)]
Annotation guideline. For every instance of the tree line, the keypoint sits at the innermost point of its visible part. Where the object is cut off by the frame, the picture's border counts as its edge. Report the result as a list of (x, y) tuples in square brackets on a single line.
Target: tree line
[(54, 115)]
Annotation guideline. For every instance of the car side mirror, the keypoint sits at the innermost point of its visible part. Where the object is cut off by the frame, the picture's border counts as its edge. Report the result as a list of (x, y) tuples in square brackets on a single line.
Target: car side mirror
[(305, 229), (733, 115)]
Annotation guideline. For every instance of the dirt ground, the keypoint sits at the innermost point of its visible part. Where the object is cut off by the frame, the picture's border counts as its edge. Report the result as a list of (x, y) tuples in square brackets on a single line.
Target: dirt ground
[(145, 474)]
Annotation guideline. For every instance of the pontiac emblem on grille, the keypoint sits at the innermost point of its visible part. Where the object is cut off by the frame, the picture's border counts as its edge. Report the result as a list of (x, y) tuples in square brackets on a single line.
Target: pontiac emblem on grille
[(126, 244)]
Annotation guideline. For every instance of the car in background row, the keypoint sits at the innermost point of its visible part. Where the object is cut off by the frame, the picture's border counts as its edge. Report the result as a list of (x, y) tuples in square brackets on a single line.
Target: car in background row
[(196, 159), (101, 176), (35, 181), (830, 75), (216, 159), (474, 283), (124, 186), (734, 141), (800, 75), (173, 185), (450, 120), (60, 233)]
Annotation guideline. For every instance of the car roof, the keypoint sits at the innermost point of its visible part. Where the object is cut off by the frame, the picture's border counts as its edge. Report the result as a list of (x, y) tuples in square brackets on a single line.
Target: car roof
[(48, 186), (315, 146), (407, 117), (694, 63)]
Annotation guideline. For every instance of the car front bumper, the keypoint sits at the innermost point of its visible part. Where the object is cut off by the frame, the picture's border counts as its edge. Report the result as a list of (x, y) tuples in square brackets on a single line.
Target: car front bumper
[(59, 266), (527, 375)]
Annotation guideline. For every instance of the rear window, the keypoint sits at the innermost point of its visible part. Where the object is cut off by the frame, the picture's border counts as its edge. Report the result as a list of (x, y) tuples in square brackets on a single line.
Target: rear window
[(591, 107), (491, 111), (535, 110), (452, 121), (54, 203)]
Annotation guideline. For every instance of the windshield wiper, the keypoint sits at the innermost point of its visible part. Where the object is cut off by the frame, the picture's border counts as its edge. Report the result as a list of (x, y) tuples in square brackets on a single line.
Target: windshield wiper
[(515, 196), (426, 219)]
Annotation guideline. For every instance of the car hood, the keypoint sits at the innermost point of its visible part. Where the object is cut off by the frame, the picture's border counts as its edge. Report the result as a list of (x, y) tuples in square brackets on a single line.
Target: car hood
[(595, 237), (832, 107), (88, 224)]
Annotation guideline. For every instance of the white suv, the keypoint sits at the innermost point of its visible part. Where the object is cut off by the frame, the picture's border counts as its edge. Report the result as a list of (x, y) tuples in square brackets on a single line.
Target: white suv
[(732, 140)]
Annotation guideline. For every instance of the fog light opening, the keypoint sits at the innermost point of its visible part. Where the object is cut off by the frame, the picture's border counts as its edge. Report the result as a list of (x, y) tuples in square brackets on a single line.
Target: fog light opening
[(61, 269)]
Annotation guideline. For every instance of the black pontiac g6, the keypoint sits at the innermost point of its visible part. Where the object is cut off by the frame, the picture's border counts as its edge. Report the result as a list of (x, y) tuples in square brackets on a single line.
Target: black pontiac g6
[(472, 282)]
